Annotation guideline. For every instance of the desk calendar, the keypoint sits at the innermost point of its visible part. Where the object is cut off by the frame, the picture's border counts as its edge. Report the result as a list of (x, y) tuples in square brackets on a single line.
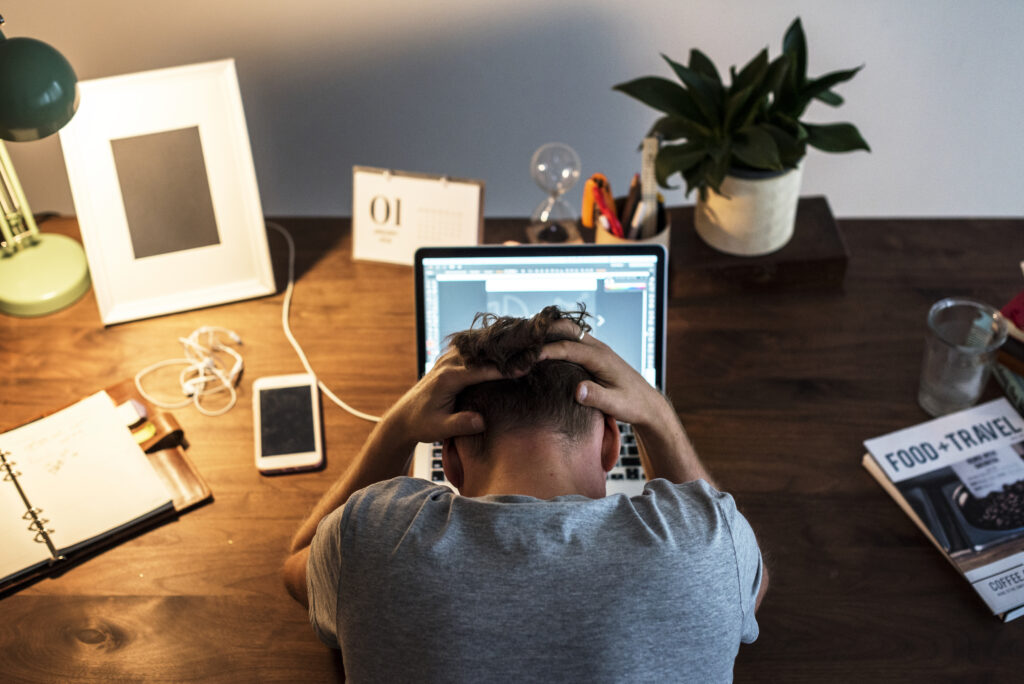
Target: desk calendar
[(396, 212)]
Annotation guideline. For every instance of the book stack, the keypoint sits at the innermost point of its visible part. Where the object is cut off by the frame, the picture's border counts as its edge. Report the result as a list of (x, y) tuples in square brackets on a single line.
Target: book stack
[(1009, 367)]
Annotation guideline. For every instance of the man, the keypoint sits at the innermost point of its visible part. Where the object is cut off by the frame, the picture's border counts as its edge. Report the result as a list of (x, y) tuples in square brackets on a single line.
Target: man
[(531, 573)]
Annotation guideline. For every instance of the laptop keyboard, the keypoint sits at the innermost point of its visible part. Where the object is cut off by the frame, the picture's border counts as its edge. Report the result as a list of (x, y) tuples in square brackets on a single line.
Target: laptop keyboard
[(626, 468), (436, 467)]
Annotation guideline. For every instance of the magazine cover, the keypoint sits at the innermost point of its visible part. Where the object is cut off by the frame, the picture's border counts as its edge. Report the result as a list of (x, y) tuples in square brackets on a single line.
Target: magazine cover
[(962, 477)]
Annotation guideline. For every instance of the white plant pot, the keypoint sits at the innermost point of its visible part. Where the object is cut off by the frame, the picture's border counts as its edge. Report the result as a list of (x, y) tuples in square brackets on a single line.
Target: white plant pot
[(752, 216)]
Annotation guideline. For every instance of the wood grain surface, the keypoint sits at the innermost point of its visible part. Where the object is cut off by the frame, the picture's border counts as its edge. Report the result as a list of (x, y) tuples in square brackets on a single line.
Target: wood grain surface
[(777, 389)]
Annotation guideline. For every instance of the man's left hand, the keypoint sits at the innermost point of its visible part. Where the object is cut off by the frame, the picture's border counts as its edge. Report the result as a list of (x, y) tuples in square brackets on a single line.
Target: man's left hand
[(426, 413)]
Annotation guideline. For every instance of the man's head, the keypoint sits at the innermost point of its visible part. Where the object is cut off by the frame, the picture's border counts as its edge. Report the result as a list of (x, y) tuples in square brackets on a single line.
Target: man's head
[(540, 395)]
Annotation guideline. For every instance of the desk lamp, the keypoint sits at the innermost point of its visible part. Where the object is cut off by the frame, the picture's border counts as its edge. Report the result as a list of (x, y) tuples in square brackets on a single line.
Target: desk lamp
[(39, 273)]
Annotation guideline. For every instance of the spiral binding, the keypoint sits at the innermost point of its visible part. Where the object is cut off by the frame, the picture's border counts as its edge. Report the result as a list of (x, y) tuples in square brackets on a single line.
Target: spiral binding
[(37, 524)]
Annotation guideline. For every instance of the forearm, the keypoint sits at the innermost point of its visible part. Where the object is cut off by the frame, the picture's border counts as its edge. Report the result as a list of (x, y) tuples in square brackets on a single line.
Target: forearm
[(385, 454), (665, 448)]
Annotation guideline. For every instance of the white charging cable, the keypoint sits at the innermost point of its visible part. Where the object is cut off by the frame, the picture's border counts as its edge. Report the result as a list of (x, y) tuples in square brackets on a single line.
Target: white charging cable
[(204, 372), (286, 308)]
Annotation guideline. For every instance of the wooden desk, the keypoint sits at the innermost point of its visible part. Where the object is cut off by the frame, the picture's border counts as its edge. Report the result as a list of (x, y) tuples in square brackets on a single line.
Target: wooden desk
[(777, 389)]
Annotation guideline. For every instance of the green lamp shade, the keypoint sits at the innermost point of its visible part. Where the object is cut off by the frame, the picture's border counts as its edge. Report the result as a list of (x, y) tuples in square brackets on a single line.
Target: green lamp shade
[(38, 89)]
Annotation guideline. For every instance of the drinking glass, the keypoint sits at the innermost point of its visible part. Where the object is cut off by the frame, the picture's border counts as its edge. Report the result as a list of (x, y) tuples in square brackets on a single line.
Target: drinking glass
[(961, 342)]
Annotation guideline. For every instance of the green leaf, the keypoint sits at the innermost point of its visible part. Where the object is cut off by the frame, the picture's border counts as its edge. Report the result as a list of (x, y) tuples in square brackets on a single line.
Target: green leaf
[(837, 137), (704, 176), (762, 78), (752, 74), (777, 72), (705, 92), (737, 107), (717, 172), (700, 64), (693, 180), (824, 83), (756, 148), (801, 132), (753, 110), (781, 83), (661, 94), (786, 123), (791, 150), (830, 97), (720, 153), (795, 45), (674, 127), (673, 159)]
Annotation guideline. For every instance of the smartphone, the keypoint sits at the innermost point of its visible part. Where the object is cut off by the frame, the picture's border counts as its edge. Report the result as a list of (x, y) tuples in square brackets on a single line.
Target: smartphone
[(286, 422)]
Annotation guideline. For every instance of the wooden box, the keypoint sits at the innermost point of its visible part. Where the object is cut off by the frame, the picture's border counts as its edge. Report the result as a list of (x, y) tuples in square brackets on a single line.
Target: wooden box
[(815, 257)]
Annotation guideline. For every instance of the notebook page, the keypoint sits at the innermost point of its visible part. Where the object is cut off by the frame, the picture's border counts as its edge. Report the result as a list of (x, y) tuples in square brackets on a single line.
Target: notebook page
[(82, 466)]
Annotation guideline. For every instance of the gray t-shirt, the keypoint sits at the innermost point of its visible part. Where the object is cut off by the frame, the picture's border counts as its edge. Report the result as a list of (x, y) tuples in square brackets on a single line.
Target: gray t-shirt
[(416, 583)]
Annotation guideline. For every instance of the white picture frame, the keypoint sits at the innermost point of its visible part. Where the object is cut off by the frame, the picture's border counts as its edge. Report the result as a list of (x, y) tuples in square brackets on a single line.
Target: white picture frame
[(125, 116)]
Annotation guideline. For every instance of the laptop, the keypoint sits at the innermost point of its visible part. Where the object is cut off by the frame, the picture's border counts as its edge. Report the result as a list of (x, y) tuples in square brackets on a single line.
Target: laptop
[(622, 286)]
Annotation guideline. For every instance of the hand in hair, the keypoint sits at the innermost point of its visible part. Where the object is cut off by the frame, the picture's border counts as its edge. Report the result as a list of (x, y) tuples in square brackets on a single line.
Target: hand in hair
[(426, 413), (619, 391), (532, 395)]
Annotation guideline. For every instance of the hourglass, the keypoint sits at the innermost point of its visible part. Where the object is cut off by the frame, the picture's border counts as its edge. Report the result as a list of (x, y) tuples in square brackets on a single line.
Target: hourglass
[(555, 167)]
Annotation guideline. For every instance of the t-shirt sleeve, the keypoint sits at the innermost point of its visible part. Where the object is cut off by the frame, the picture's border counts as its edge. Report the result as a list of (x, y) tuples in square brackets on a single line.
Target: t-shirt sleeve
[(749, 565), (323, 572), (379, 504), (737, 553)]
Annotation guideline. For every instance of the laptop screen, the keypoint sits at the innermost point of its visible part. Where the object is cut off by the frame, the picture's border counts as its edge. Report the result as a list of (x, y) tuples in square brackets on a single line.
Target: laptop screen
[(622, 287)]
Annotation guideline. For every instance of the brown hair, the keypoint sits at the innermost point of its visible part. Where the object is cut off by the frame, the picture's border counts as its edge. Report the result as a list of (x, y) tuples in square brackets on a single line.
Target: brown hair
[(543, 397)]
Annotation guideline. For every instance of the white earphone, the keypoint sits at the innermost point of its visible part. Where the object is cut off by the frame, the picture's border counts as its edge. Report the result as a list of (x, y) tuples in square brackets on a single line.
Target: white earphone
[(204, 370)]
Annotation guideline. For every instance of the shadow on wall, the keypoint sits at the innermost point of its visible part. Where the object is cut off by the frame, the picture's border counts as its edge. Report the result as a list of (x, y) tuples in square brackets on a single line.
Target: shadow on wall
[(475, 105)]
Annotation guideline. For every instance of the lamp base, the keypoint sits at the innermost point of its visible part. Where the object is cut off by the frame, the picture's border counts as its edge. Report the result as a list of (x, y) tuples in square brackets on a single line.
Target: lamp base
[(44, 277)]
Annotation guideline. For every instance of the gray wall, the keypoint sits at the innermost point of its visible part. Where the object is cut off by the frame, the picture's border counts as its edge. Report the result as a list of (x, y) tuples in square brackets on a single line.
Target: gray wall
[(470, 88)]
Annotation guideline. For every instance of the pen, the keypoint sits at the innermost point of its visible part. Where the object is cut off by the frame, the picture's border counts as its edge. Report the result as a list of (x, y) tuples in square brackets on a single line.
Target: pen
[(632, 198), (636, 225), (589, 211), (615, 228), (609, 199)]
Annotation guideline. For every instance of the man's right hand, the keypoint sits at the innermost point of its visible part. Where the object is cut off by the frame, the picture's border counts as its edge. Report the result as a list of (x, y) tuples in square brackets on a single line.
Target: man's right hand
[(621, 392)]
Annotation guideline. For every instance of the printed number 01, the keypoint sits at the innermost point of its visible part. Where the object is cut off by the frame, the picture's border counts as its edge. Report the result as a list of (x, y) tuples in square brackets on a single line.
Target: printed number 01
[(380, 210)]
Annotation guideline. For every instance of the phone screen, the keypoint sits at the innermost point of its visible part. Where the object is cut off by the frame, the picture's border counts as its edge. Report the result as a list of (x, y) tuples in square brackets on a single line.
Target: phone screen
[(286, 421)]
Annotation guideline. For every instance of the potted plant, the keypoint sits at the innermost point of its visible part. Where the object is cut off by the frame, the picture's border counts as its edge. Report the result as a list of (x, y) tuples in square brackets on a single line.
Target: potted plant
[(743, 142)]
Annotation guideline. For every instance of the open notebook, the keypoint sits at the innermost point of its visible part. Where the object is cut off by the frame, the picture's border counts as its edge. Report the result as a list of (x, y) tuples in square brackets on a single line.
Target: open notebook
[(622, 286), (80, 478)]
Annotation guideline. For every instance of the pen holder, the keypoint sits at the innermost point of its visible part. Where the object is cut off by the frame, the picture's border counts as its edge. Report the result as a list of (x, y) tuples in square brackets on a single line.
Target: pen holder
[(602, 236)]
